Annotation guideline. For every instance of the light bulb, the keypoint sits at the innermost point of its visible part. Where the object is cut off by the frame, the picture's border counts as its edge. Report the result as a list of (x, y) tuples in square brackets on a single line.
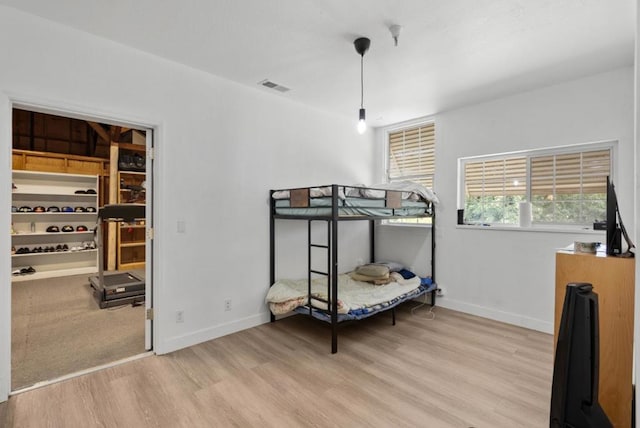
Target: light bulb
[(362, 125)]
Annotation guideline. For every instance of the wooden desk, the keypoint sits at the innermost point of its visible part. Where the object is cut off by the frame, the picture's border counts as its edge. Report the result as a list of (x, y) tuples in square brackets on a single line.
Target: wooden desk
[(613, 279)]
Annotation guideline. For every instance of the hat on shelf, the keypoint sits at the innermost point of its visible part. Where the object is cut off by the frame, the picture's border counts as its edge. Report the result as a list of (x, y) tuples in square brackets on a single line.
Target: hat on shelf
[(39, 209), (53, 229), (81, 228), (79, 210), (67, 209), (25, 209), (90, 192), (90, 209), (53, 209), (67, 228)]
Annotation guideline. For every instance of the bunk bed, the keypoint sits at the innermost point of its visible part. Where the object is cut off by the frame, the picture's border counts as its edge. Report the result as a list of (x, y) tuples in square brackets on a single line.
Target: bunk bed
[(318, 296)]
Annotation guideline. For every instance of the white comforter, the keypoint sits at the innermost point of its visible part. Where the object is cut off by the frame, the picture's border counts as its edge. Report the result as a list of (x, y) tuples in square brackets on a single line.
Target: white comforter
[(352, 294), (407, 187)]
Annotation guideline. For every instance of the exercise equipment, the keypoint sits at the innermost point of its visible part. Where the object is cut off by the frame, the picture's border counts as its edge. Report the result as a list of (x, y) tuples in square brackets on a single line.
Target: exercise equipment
[(116, 288)]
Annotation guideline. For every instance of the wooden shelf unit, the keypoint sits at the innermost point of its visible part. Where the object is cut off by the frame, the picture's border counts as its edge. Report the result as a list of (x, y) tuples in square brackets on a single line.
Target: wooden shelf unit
[(613, 279), (127, 242)]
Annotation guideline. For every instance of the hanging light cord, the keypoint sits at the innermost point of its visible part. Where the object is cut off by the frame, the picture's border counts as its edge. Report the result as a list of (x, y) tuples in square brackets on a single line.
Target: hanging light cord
[(361, 82)]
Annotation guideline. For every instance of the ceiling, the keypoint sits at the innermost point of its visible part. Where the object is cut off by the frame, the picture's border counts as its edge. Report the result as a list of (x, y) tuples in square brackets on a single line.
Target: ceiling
[(450, 52)]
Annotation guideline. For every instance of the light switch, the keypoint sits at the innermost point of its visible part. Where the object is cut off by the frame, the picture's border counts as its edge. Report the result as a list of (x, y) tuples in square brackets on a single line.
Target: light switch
[(182, 226)]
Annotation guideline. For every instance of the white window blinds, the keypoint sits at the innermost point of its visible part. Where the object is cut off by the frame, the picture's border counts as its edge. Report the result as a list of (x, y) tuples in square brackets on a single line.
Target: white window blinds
[(411, 154), (496, 177), (570, 174)]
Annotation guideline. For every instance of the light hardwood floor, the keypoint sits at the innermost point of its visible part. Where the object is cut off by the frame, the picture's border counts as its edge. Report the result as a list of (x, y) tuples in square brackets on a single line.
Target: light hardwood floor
[(454, 371)]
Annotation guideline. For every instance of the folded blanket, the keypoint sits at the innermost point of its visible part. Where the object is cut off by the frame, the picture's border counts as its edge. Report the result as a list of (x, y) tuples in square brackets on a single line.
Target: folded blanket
[(373, 270), (377, 280)]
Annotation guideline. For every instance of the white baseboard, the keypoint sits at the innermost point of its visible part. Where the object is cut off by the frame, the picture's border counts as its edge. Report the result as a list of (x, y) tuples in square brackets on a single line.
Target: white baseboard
[(179, 342), (494, 314)]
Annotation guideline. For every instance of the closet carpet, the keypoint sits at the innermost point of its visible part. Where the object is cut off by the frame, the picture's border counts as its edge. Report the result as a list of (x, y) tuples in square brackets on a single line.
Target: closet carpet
[(57, 328)]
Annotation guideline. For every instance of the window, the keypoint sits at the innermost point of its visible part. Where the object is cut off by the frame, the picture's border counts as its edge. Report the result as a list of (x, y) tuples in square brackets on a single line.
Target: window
[(494, 189), (411, 157), (566, 186)]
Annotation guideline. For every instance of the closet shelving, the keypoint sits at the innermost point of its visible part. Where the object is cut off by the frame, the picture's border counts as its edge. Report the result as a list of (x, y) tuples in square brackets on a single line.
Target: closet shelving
[(29, 229), (131, 238)]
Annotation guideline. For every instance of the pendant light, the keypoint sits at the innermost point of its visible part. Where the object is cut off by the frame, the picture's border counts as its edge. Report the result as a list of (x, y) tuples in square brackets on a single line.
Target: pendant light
[(362, 45)]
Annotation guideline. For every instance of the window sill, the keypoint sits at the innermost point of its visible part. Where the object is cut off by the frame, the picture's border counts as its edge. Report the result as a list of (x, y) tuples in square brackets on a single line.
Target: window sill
[(546, 229), (385, 224)]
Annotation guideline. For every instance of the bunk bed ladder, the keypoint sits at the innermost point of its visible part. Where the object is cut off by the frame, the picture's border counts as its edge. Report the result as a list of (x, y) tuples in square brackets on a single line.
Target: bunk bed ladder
[(330, 274), (310, 265)]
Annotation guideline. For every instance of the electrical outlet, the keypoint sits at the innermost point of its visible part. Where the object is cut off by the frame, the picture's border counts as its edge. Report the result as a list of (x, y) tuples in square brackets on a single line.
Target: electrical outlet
[(179, 316), (440, 292), (227, 304)]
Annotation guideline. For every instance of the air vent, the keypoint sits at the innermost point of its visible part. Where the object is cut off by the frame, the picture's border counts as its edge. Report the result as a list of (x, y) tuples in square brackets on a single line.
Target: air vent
[(271, 85)]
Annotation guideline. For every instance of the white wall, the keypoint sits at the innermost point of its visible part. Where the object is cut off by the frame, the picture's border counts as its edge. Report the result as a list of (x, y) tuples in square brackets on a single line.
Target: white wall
[(220, 147), (510, 275)]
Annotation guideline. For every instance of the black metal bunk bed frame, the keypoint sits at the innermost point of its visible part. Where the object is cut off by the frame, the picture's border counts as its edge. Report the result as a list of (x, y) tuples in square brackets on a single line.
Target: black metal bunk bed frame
[(332, 246)]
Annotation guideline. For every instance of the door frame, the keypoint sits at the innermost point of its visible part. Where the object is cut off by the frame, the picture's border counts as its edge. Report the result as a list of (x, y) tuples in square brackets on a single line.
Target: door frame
[(9, 101)]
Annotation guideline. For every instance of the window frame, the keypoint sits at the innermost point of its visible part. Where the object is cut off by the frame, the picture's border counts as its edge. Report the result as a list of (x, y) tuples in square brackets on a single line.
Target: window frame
[(386, 160), (611, 145)]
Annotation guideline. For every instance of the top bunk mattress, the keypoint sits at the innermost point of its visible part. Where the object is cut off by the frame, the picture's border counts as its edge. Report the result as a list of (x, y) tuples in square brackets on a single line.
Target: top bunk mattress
[(352, 207), (399, 199)]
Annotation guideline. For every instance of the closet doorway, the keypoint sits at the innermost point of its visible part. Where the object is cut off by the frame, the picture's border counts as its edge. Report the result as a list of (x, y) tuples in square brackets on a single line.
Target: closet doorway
[(64, 170)]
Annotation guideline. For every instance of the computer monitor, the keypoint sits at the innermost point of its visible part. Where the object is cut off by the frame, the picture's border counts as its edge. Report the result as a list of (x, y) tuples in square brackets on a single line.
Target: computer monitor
[(614, 237)]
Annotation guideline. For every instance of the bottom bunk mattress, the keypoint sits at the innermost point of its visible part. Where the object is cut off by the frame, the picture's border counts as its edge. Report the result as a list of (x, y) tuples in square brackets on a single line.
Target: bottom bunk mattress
[(356, 299)]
